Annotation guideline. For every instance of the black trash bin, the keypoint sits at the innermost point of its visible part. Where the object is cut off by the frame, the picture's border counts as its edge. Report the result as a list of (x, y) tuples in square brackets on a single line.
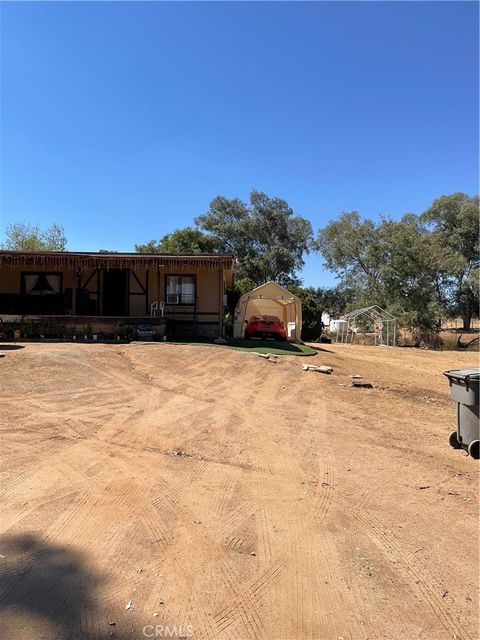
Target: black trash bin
[(464, 389)]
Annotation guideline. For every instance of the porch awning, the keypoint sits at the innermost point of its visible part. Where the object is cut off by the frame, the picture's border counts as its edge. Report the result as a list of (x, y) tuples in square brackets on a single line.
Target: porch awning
[(137, 261)]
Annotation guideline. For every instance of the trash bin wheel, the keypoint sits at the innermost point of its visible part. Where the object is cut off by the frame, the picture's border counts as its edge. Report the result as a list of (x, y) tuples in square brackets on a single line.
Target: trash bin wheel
[(473, 449), (453, 441)]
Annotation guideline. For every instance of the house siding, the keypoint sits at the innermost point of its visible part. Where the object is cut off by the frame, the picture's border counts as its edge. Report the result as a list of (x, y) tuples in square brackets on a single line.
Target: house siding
[(144, 286)]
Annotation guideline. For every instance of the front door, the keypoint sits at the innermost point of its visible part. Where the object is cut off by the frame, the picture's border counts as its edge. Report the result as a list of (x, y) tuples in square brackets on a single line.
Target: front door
[(115, 292)]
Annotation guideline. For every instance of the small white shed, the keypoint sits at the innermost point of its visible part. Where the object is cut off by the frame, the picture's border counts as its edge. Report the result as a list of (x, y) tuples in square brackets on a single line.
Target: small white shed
[(269, 299)]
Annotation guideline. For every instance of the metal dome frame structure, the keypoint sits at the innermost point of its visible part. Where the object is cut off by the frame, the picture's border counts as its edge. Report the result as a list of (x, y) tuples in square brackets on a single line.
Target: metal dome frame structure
[(385, 326)]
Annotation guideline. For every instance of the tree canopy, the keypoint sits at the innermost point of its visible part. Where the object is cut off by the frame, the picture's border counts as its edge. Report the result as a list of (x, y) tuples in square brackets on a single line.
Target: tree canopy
[(28, 237), (268, 240), (187, 240), (454, 223), (266, 237), (419, 267)]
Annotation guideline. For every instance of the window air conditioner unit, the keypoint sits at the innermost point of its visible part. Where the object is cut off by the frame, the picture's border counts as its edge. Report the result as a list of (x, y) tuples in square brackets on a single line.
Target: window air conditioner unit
[(173, 298)]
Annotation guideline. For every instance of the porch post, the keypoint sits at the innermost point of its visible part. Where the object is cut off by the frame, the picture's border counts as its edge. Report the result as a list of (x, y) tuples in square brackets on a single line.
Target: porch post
[(221, 308), (147, 310), (76, 277)]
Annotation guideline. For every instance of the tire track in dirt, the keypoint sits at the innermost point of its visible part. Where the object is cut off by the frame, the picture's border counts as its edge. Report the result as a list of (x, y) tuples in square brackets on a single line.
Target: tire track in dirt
[(418, 576), (188, 383), (364, 498), (169, 495), (255, 462), (20, 515), (264, 535), (244, 601), (237, 518), (258, 589), (319, 491), (23, 452), (83, 430), (355, 587), (128, 382), (230, 526), (43, 403), (264, 473), (267, 472), (51, 534), (60, 465), (332, 567), (14, 484)]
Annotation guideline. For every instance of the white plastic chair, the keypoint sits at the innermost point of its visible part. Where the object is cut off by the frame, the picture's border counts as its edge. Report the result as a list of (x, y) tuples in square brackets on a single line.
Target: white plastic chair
[(157, 307)]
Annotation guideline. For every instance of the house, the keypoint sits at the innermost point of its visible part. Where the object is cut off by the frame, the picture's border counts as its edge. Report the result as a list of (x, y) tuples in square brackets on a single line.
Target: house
[(181, 294)]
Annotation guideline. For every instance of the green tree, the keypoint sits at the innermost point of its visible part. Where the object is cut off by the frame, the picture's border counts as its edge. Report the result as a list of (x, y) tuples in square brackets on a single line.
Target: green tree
[(395, 264), (27, 237), (312, 308), (187, 240), (410, 276), (268, 240), (454, 222), (349, 248), (337, 300), (316, 301), (240, 286), (243, 285)]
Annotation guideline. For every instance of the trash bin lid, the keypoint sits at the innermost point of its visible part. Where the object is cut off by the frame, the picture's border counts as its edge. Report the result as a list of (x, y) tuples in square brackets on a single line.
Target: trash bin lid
[(473, 373)]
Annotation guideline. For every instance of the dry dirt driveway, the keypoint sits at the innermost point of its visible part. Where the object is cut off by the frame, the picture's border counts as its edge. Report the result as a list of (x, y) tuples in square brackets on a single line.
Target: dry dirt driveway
[(202, 492)]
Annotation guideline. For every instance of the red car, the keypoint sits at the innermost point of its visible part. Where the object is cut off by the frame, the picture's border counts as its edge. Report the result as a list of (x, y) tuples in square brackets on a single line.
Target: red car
[(265, 327)]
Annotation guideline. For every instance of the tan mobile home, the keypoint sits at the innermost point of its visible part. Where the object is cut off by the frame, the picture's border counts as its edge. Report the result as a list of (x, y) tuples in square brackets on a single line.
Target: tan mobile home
[(182, 295)]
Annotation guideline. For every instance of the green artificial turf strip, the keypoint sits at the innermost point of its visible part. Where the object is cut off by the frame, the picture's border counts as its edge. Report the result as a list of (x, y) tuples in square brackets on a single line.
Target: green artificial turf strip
[(275, 347)]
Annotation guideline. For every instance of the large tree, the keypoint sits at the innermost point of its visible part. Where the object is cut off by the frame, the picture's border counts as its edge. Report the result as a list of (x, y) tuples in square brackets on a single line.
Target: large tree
[(187, 240), (28, 237), (349, 248), (395, 264), (268, 240), (410, 275), (454, 222)]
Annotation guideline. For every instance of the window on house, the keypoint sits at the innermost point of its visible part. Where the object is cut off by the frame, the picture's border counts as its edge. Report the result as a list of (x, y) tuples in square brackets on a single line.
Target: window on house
[(181, 290), (42, 284)]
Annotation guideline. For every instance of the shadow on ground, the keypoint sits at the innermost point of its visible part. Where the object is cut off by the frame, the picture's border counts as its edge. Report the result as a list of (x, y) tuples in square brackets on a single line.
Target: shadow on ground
[(11, 347), (323, 349), (44, 583), (261, 346)]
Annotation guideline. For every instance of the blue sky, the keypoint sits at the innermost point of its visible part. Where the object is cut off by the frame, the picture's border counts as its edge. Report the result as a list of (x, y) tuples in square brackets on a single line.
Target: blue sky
[(122, 121)]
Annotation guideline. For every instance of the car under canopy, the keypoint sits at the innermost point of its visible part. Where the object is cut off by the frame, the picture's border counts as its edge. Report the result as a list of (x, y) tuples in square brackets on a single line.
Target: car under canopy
[(270, 299)]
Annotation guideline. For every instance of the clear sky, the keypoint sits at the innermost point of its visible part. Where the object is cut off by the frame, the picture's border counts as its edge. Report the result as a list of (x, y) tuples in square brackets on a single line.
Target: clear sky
[(122, 121)]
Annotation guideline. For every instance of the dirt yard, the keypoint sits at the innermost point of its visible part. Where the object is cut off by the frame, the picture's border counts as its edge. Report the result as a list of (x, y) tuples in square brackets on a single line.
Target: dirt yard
[(159, 490)]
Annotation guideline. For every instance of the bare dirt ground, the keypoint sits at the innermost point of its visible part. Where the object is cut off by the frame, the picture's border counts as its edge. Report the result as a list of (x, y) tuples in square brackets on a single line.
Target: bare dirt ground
[(204, 492)]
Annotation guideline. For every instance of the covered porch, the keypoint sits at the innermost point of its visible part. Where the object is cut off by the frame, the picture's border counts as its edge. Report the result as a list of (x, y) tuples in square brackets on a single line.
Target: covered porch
[(182, 293)]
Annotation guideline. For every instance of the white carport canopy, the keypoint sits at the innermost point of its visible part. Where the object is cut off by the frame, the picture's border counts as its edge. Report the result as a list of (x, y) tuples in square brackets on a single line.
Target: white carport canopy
[(269, 299)]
